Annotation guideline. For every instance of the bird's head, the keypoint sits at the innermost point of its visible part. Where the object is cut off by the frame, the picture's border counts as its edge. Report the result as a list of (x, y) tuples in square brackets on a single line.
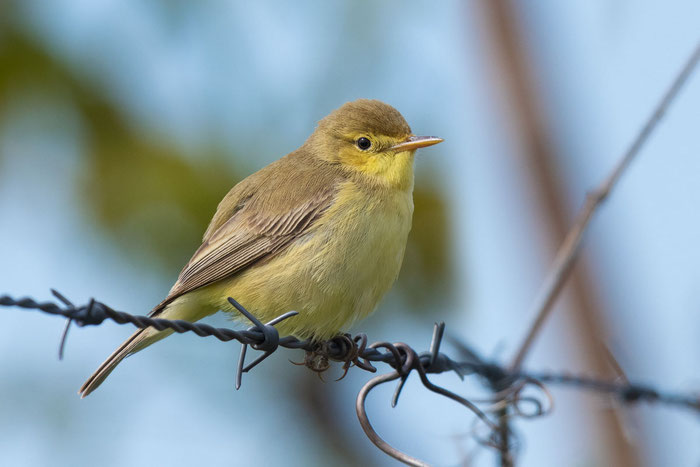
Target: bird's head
[(371, 138)]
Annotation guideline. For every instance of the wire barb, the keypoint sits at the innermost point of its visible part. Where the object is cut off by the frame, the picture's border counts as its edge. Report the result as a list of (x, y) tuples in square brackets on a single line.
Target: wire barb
[(406, 361), (69, 321), (270, 342)]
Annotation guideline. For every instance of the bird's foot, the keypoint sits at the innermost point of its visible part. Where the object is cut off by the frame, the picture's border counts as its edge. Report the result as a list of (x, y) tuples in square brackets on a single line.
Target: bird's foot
[(342, 348), (315, 360)]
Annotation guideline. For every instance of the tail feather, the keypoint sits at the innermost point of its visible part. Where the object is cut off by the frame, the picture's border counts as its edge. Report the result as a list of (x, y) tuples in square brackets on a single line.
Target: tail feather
[(138, 341), (170, 308), (108, 365)]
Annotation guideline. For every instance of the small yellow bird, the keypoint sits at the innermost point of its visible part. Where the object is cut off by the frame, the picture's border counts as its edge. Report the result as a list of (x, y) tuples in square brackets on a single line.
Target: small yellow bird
[(321, 231)]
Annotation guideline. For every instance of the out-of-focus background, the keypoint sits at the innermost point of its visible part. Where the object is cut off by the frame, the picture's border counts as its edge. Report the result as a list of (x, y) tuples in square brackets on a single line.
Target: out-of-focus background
[(122, 124)]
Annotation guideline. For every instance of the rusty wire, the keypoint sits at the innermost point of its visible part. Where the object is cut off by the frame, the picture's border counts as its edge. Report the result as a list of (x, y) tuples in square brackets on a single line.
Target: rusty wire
[(507, 386)]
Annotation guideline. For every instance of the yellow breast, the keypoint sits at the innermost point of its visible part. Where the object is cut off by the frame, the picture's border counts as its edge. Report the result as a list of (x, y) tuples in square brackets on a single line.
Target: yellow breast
[(334, 274)]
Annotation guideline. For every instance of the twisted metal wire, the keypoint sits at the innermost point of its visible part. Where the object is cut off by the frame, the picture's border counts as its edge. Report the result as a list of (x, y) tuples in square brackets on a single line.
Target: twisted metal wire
[(260, 336), (508, 386)]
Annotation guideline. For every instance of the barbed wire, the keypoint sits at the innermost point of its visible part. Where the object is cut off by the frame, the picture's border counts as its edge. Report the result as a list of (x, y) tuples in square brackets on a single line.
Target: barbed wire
[(508, 386)]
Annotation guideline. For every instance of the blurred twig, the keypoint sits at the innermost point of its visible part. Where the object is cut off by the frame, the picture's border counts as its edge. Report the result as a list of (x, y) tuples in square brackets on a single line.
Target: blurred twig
[(504, 430), (517, 76), (323, 411), (568, 252)]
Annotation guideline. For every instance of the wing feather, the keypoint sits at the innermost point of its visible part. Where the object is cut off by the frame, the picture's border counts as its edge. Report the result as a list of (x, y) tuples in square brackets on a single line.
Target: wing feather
[(247, 237)]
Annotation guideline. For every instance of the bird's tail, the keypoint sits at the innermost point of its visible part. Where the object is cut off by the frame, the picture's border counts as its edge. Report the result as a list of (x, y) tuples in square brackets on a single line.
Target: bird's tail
[(189, 308), (138, 341)]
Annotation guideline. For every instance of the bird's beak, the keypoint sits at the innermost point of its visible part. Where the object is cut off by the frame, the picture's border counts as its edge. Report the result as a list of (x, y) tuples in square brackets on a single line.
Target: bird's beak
[(414, 142)]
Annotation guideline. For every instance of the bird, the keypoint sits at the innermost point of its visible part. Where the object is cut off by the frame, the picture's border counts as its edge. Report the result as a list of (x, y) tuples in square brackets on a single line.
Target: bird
[(321, 231)]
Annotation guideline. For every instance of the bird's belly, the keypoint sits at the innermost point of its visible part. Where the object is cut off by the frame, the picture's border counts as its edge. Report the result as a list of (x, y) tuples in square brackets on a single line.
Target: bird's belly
[(333, 275)]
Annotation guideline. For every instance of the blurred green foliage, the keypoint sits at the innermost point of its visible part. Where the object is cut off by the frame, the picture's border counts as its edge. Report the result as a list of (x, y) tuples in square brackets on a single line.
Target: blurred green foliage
[(148, 197), (153, 201)]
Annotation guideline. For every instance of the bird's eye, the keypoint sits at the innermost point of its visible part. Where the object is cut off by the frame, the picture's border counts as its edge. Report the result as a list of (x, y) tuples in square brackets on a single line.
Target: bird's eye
[(363, 143)]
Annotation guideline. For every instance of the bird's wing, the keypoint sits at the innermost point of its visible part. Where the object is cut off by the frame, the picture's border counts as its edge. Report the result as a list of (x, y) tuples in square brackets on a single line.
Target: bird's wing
[(258, 226), (243, 240)]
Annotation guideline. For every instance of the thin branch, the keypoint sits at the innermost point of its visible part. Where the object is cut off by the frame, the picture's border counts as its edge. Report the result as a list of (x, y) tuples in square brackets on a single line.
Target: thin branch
[(568, 252), (533, 130), (504, 431)]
